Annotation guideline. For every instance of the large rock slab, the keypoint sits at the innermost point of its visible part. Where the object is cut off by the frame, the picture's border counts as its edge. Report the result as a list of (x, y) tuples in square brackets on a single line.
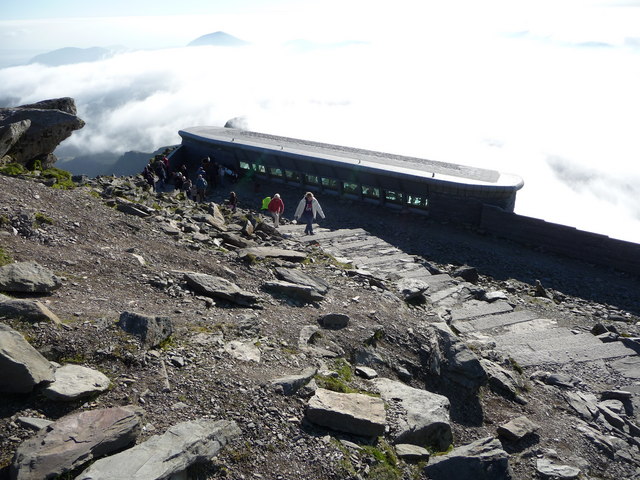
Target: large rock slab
[(152, 331), (290, 384), (517, 429), (75, 439), (347, 412), (425, 421), (299, 292), (548, 469), (11, 133), (50, 122), (163, 456), (243, 351), (483, 459), (449, 357), (27, 310), (298, 277), (218, 287), (75, 381), (21, 365), (28, 277), (272, 252)]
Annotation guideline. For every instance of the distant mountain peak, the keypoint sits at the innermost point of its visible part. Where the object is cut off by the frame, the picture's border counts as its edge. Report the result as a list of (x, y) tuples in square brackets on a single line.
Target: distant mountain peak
[(220, 39)]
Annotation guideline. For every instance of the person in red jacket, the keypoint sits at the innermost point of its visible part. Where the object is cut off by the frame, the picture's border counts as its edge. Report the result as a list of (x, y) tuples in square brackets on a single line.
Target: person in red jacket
[(276, 208)]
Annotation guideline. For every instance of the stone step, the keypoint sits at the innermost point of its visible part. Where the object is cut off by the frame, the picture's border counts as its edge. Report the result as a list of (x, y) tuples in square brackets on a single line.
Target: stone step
[(532, 336), (379, 259), (479, 308), (494, 321), (529, 358), (551, 344)]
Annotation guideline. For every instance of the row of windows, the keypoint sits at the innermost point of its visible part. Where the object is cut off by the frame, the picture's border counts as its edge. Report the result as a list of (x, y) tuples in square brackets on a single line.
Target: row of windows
[(332, 184)]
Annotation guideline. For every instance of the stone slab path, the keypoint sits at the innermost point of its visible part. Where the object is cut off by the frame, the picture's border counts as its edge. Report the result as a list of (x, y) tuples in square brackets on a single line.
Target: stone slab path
[(519, 334)]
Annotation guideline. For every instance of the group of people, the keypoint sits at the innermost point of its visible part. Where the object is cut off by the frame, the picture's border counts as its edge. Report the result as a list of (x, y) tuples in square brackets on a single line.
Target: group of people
[(211, 174), (307, 210)]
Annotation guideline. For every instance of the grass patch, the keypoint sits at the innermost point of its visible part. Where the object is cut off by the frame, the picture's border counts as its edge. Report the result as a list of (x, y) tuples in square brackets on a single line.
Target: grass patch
[(42, 219), (62, 178), (13, 169), (516, 366), (5, 258)]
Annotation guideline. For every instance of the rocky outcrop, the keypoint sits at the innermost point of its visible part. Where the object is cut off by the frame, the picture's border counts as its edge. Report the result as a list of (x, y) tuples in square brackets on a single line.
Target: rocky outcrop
[(31, 133), (76, 439), (166, 456), (218, 287), (423, 417), (75, 381), (26, 310), (354, 413), (21, 365), (152, 331), (481, 460), (28, 277)]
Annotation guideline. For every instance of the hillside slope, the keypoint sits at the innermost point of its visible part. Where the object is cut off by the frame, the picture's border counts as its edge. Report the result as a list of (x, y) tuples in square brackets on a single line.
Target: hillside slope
[(221, 357)]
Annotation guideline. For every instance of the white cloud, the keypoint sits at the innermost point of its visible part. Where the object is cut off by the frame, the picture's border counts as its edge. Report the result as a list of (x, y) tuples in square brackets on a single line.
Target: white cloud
[(465, 95)]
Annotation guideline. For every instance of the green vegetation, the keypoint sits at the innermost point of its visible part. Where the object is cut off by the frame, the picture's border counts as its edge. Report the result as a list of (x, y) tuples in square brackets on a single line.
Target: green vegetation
[(434, 452), (5, 258), (13, 169), (76, 359), (167, 343), (516, 366), (62, 178), (42, 219)]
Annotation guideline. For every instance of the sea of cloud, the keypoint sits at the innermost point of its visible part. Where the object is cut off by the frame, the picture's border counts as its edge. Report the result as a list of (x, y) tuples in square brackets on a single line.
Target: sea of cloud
[(561, 116)]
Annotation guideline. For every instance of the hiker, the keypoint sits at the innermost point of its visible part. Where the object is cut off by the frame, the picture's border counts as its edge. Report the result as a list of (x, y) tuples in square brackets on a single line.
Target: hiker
[(201, 188), (233, 201), (308, 208), (265, 203), (161, 172), (187, 188), (149, 176), (276, 208)]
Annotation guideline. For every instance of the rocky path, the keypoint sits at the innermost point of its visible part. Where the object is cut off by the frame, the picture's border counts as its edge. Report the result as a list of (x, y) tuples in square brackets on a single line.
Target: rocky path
[(519, 334)]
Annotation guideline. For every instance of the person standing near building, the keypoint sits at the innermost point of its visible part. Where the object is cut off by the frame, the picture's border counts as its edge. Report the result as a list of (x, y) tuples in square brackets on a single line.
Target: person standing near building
[(308, 208), (276, 208)]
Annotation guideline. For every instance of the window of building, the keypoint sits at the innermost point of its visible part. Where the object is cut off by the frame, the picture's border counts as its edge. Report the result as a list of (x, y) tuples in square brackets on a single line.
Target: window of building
[(370, 192), (292, 176), (276, 172), (329, 183), (311, 180), (393, 197), (351, 188)]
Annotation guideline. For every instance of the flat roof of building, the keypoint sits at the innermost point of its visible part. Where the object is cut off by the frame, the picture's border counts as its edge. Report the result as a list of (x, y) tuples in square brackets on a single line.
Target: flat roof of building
[(278, 145)]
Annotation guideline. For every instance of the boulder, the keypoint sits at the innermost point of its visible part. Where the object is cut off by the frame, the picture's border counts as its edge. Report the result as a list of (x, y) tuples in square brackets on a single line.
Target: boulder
[(27, 310), (28, 277), (354, 413), (218, 287), (410, 452), (290, 384), (517, 429), (334, 321), (425, 416), (11, 133), (502, 381), (21, 365), (51, 122), (298, 277), (483, 459), (75, 381), (166, 456), (151, 330), (244, 351), (75, 439), (366, 372), (449, 357), (547, 469), (412, 289), (467, 273), (303, 293)]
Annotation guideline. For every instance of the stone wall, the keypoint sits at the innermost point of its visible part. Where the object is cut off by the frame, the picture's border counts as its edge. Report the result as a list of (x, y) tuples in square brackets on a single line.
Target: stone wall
[(561, 239)]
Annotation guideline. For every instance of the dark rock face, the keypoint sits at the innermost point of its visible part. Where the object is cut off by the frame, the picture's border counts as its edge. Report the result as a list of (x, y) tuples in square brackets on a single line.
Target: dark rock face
[(50, 122)]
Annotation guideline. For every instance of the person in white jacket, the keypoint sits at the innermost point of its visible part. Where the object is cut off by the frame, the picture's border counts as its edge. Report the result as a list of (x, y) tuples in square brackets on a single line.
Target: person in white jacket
[(307, 210)]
